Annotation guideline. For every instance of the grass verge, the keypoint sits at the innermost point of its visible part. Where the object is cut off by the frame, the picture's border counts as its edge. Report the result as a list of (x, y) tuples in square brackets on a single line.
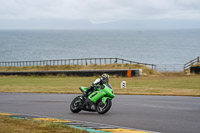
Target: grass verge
[(182, 85), (146, 70), (11, 125)]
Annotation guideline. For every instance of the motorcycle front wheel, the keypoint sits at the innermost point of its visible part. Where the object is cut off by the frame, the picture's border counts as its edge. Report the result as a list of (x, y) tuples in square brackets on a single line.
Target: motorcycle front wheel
[(103, 108), (75, 105)]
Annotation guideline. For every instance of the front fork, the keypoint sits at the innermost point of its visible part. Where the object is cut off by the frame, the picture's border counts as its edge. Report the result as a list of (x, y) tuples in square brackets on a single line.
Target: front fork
[(105, 98)]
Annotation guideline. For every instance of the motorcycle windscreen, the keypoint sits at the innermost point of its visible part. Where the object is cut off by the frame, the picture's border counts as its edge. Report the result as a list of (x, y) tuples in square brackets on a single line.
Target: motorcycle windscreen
[(95, 96)]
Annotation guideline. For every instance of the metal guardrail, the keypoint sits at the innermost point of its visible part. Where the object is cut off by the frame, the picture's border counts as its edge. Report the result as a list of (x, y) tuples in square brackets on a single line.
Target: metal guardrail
[(169, 67), (191, 63), (83, 61), (176, 67), (100, 61)]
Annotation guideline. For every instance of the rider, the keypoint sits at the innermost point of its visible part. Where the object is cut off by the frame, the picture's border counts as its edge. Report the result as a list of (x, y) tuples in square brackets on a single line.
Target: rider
[(100, 81)]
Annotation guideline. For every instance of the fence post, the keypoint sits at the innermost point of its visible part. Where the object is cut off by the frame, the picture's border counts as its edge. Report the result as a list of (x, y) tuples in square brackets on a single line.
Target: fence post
[(116, 60)]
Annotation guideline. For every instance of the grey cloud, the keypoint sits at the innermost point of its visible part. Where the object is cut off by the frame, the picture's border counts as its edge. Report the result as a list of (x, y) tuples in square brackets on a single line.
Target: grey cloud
[(100, 11)]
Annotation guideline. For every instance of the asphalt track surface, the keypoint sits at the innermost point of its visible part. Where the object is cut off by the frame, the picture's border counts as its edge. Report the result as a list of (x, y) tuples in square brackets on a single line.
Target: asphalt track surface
[(167, 114)]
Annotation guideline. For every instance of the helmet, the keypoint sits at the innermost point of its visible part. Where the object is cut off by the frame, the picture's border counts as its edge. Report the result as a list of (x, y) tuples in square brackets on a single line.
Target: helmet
[(105, 78)]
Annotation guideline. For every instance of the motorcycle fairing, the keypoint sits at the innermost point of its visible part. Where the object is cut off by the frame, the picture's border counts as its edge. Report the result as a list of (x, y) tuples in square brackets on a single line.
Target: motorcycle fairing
[(83, 89), (95, 96)]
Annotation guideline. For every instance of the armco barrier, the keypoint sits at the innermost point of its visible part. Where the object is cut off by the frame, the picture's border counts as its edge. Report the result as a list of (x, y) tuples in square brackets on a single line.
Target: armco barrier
[(87, 73)]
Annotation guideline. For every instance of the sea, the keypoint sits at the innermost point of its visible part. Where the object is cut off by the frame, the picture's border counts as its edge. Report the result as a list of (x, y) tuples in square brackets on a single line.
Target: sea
[(146, 46)]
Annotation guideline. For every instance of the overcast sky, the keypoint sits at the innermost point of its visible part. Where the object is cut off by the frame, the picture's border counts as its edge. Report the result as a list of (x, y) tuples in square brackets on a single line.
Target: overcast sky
[(99, 14)]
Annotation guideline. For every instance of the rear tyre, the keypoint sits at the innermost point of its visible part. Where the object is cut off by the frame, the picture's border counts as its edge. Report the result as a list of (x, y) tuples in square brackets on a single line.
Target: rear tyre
[(75, 105), (103, 108)]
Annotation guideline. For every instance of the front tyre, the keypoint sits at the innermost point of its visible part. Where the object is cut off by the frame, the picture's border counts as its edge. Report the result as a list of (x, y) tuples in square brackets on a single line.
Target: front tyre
[(75, 105), (103, 108)]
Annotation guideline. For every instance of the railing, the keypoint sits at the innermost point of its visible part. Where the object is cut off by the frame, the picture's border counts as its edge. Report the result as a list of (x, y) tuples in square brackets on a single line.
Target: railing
[(169, 67), (191, 63), (83, 61)]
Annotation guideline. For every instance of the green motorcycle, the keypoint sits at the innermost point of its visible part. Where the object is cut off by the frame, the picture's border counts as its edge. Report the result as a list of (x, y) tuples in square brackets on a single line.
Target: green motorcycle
[(97, 101)]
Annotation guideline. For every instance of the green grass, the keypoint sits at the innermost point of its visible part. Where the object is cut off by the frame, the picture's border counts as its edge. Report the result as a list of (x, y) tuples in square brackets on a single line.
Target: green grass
[(152, 85), (11, 125)]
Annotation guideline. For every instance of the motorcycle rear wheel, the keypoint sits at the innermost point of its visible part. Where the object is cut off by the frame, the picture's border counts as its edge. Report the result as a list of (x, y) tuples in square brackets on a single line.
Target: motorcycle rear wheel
[(75, 105), (103, 108)]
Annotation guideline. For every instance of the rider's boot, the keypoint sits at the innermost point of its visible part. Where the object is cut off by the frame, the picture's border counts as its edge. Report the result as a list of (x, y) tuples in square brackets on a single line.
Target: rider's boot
[(85, 94)]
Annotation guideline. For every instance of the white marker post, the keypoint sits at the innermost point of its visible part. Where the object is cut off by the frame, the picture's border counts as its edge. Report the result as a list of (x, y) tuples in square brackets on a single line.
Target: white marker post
[(123, 84)]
